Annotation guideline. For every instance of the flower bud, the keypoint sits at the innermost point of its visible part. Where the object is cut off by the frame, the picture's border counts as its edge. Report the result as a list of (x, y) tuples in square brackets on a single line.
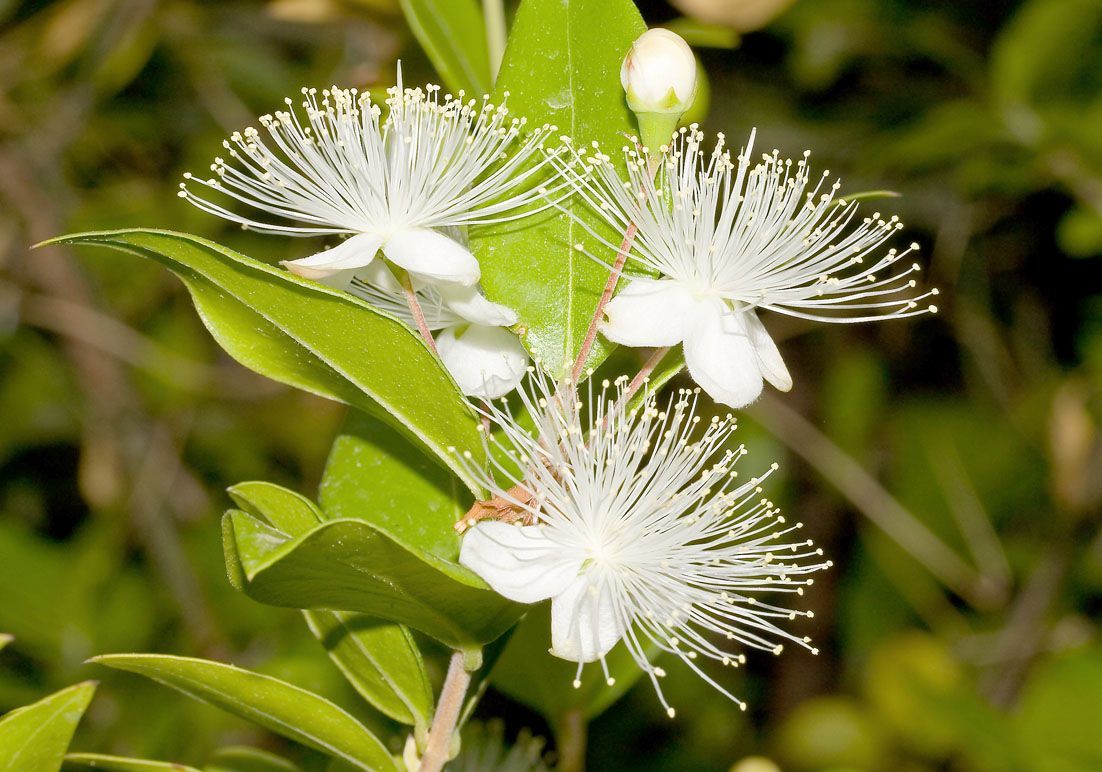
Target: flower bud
[(659, 73)]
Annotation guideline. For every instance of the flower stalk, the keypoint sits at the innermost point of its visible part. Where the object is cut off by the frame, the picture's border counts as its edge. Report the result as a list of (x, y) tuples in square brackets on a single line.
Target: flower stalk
[(606, 296), (415, 309), (448, 708), (645, 371)]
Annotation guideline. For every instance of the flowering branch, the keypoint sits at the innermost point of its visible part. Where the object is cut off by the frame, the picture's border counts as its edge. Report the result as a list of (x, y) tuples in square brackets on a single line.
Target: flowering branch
[(452, 693)]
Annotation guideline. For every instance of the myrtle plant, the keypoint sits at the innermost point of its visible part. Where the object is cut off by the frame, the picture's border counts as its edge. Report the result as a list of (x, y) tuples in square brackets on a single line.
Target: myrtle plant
[(481, 256)]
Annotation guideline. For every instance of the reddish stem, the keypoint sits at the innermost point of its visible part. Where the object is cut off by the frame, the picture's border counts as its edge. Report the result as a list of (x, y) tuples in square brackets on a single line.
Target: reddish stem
[(645, 372), (415, 309), (610, 287)]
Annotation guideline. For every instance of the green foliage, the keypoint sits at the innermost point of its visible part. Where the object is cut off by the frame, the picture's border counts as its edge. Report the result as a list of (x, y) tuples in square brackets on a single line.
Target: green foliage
[(380, 660), (120, 764), (982, 424), (408, 495), (245, 759), (34, 738), (561, 66), (352, 566), (273, 704), (307, 335), (454, 37)]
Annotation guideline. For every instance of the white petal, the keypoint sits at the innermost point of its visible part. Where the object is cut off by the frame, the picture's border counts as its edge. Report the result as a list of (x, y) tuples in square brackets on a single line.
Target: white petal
[(769, 356), (720, 356), (336, 266), (378, 275), (432, 255), (584, 622), (648, 312), (473, 306), (519, 562), (485, 361)]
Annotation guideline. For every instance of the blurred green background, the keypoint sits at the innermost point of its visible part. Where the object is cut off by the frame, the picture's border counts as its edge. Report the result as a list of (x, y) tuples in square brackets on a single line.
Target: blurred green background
[(951, 465)]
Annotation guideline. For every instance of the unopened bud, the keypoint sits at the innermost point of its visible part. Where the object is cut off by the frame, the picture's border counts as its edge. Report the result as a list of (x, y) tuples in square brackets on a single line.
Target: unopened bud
[(659, 73), (659, 78)]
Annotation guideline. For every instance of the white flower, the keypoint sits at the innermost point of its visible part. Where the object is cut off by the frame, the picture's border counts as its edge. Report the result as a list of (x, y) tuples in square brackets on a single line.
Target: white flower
[(659, 73), (485, 359), (390, 182), (729, 238), (641, 531)]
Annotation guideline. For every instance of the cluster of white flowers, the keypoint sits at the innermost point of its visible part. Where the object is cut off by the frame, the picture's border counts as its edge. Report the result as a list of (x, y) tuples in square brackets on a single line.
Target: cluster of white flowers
[(626, 512)]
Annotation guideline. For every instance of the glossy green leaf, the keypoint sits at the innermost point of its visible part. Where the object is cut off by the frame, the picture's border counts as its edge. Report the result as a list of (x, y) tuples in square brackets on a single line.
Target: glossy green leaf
[(527, 673), (34, 738), (312, 337), (374, 474), (562, 66), (268, 702), (349, 565), (240, 758), (381, 661), (121, 764), (288, 511), (454, 37)]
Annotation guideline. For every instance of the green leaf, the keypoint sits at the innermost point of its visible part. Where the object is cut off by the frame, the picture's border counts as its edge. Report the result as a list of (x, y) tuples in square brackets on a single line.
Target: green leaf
[(381, 661), (121, 764), (288, 511), (276, 705), (562, 66), (454, 37), (374, 474), (527, 673), (34, 738), (350, 565), (312, 337), (240, 758)]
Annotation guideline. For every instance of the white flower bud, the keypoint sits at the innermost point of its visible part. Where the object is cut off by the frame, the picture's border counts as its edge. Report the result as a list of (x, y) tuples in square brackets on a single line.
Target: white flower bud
[(659, 73)]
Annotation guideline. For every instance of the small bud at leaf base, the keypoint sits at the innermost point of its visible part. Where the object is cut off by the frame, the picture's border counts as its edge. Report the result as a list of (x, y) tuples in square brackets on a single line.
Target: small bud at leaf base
[(659, 78)]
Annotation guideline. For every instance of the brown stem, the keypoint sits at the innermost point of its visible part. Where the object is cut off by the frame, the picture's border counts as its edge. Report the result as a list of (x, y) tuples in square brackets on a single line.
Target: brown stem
[(447, 714), (571, 741), (415, 309), (610, 287), (645, 372)]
